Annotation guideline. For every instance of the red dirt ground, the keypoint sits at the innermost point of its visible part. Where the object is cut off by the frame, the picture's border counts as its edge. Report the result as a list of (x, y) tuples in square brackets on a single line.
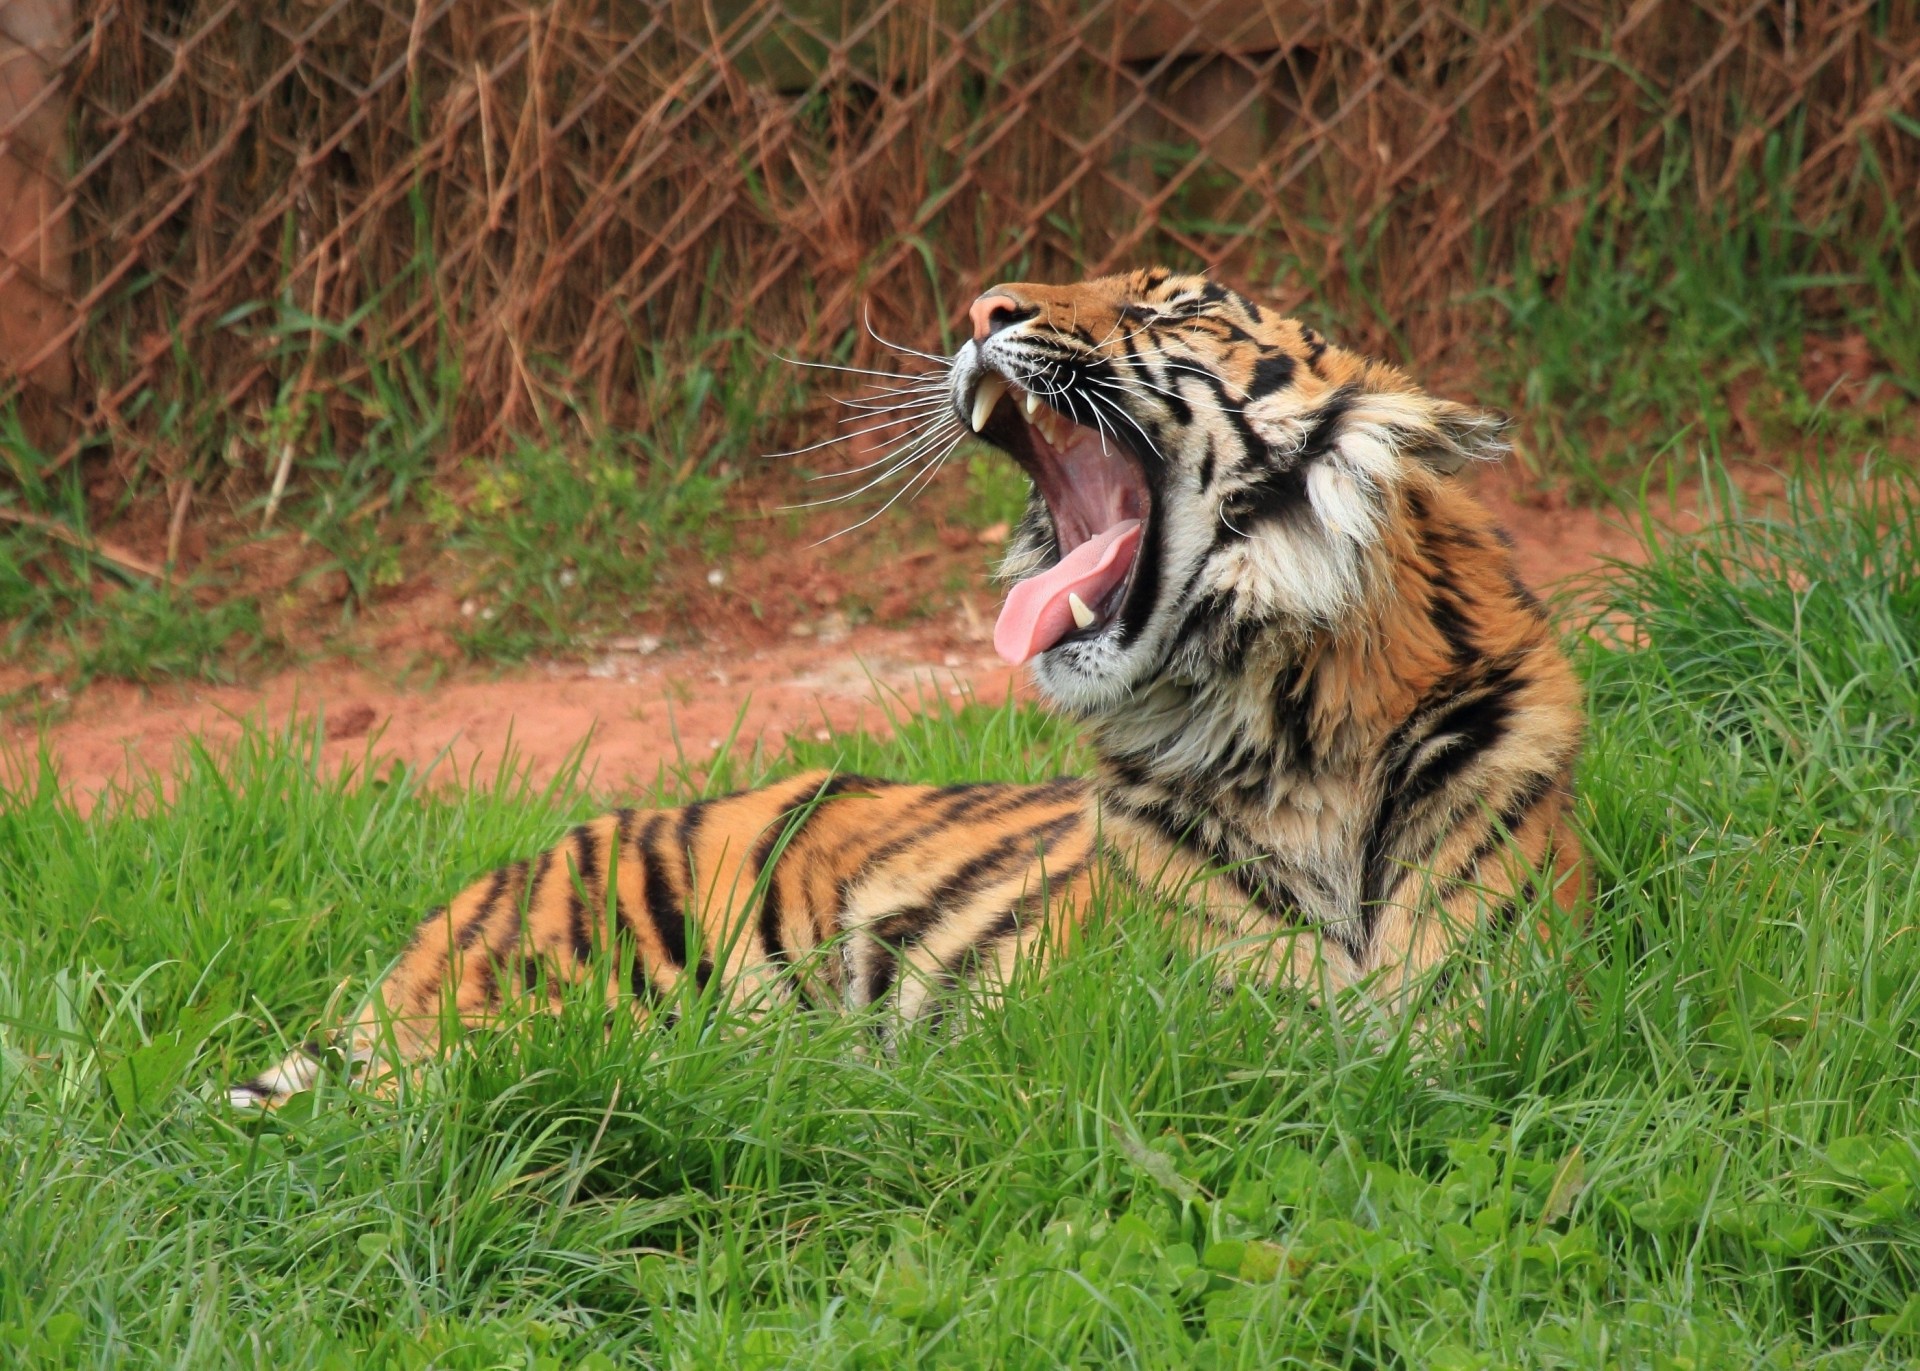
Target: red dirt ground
[(769, 647)]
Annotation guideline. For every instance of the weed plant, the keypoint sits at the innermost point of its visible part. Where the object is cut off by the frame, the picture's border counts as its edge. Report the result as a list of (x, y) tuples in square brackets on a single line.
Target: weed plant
[(1686, 1139)]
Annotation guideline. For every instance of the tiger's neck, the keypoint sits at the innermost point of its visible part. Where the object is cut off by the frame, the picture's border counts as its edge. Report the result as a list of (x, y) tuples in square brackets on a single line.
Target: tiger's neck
[(1280, 747)]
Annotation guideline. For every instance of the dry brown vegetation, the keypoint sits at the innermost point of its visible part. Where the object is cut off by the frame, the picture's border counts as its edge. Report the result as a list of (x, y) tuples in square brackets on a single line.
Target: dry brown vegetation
[(268, 204)]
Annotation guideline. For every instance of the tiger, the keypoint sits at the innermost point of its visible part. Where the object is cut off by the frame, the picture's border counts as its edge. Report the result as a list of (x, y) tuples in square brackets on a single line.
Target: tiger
[(1332, 732)]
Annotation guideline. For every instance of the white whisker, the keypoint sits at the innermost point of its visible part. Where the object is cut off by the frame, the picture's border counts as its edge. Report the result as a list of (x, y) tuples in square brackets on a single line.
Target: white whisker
[(864, 371), (841, 437), (940, 396), (866, 318), (912, 437), (934, 463), (897, 461)]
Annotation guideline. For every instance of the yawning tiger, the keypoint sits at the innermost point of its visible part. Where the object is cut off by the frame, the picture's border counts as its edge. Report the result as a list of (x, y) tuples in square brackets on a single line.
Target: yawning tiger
[(1334, 734)]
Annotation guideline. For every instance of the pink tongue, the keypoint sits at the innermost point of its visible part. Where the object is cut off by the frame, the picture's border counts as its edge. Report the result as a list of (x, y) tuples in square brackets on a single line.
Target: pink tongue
[(1037, 615)]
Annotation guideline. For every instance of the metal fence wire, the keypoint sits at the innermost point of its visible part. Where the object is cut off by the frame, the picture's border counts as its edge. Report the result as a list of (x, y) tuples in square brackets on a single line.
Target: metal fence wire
[(216, 213)]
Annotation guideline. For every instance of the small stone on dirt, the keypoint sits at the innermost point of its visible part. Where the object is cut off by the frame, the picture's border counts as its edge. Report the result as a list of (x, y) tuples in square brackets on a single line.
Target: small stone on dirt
[(716, 578), (994, 534)]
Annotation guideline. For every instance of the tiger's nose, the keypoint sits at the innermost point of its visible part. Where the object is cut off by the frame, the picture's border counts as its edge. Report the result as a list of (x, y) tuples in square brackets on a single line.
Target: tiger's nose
[(991, 313)]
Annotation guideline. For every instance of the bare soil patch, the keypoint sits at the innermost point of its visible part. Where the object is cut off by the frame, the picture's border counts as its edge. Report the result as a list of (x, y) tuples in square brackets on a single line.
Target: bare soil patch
[(792, 638)]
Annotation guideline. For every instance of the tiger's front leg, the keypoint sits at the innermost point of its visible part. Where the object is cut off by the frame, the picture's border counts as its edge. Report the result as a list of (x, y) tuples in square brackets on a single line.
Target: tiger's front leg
[(917, 887)]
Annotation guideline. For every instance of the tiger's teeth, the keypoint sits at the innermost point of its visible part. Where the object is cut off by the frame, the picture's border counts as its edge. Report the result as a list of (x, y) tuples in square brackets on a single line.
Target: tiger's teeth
[(985, 396), (1054, 426), (1081, 614), (1030, 403)]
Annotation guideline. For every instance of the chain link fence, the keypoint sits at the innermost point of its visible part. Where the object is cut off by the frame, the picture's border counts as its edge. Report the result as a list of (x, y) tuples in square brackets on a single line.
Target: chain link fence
[(275, 215)]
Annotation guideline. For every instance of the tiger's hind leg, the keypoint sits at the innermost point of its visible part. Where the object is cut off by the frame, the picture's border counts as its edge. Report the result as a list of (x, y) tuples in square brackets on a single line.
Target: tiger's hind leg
[(513, 940)]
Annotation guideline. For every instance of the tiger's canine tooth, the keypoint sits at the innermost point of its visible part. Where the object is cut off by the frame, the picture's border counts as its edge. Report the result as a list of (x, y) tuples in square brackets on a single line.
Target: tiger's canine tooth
[(985, 396), (1081, 614), (1030, 403)]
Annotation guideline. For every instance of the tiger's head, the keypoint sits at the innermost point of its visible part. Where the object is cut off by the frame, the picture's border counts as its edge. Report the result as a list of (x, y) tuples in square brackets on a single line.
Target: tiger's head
[(1202, 467)]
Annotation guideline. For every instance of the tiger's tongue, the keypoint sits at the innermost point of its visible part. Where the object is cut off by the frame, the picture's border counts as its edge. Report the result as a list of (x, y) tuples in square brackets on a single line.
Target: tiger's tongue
[(1037, 615)]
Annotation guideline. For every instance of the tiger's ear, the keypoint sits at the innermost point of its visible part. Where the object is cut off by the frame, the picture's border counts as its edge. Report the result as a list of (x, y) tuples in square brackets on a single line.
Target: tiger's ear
[(1462, 434)]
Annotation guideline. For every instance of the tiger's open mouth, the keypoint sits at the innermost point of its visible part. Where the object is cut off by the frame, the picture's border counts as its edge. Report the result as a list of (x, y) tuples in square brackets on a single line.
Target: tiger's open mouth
[(1098, 497)]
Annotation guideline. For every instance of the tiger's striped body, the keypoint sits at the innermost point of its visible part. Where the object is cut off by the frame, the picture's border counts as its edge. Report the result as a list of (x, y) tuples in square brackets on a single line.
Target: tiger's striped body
[(1334, 734)]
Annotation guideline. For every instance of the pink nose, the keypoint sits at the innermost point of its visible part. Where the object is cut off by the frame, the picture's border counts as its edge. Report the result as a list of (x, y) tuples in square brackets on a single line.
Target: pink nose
[(983, 311)]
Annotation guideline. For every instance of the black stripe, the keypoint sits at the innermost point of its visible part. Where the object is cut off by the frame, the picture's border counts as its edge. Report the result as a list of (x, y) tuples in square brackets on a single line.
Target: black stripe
[(1476, 724), (1506, 914), (1178, 408), (1522, 593), (1273, 372), (585, 860), (639, 984), (1506, 824), (586, 868), (1293, 701), (530, 966), (1327, 422), (881, 981), (1278, 493), (663, 906), (622, 840), (1270, 893), (1449, 619), (1146, 581), (692, 818), (471, 929), (772, 946), (908, 927), (983, 800)]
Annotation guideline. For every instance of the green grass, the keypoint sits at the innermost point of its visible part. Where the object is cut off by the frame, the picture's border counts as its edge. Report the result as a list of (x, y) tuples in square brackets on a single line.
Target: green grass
[(62, 601), (1654, 316), (1691, 1145)]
